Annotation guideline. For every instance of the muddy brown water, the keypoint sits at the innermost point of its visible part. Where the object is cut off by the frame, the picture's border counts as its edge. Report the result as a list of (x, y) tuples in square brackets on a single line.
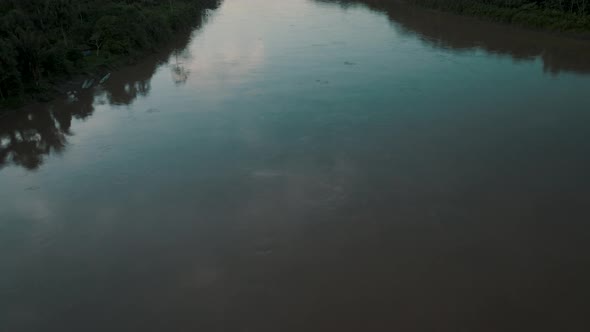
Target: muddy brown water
[(308, 166)]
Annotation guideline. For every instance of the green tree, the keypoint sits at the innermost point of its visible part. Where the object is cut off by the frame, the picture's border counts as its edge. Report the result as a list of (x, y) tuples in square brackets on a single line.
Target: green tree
[(9, 75), (42, 41)]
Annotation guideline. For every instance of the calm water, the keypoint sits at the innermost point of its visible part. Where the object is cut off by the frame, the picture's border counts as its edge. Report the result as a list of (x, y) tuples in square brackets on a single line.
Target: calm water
[(308, 166)]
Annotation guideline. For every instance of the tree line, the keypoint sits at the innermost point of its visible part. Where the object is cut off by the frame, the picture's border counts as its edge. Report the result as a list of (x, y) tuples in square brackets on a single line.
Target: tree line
[(556, 15), (579, 7), (45, 41)]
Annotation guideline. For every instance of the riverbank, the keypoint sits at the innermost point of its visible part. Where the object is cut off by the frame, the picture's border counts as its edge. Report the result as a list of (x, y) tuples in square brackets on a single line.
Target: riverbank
[(564, 16), (46, 45), (570, 17)]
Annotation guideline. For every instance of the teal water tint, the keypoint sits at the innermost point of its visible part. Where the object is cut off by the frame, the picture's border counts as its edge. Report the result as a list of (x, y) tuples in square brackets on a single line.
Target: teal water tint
[(308, 166)]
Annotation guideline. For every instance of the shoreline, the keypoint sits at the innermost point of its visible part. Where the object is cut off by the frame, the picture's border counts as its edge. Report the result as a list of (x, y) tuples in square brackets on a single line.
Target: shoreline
[(74, 84), (96, 67), (95, 64), (528, 16)]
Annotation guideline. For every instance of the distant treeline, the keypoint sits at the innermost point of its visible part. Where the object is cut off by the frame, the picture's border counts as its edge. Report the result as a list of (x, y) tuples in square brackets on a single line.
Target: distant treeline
[(561, 15), (556, 15), (44, 41)]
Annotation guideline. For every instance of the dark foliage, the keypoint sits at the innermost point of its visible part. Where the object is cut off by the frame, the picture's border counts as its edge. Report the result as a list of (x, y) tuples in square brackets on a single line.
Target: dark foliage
[(559, 15), (44, 41), (556, 15)]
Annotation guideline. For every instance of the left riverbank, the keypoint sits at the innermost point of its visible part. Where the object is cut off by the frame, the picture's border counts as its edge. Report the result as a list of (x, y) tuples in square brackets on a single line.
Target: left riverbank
[(44, 43)]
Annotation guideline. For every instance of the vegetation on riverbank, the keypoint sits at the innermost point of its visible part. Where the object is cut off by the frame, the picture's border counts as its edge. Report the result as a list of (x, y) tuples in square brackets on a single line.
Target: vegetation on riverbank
[(557, 15), (44, 42), (554, 15)]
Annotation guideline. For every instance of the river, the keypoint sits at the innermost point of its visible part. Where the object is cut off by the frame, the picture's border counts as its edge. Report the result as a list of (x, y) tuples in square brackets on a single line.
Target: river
[(308, 166)]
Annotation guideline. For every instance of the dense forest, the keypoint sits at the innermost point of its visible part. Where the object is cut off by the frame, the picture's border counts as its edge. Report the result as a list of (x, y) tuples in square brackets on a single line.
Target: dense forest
[(555, 15), (579, 7), (46, 41), (560, 15)]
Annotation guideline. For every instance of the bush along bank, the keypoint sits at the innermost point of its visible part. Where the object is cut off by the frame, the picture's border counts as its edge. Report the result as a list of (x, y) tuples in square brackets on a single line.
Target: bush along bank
[(555, 15), (45, 42)]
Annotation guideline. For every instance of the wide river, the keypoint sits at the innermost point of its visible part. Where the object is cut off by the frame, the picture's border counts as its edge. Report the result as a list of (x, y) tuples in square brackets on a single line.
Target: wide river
[(304, 165)]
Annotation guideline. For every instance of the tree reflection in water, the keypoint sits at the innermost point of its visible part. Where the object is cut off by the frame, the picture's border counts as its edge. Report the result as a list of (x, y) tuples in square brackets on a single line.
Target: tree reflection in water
[(27, 136), (448, 31), (179, 72)]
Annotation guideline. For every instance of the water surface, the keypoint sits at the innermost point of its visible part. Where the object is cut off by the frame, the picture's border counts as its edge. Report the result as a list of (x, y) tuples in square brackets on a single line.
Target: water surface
[(308, 166)]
